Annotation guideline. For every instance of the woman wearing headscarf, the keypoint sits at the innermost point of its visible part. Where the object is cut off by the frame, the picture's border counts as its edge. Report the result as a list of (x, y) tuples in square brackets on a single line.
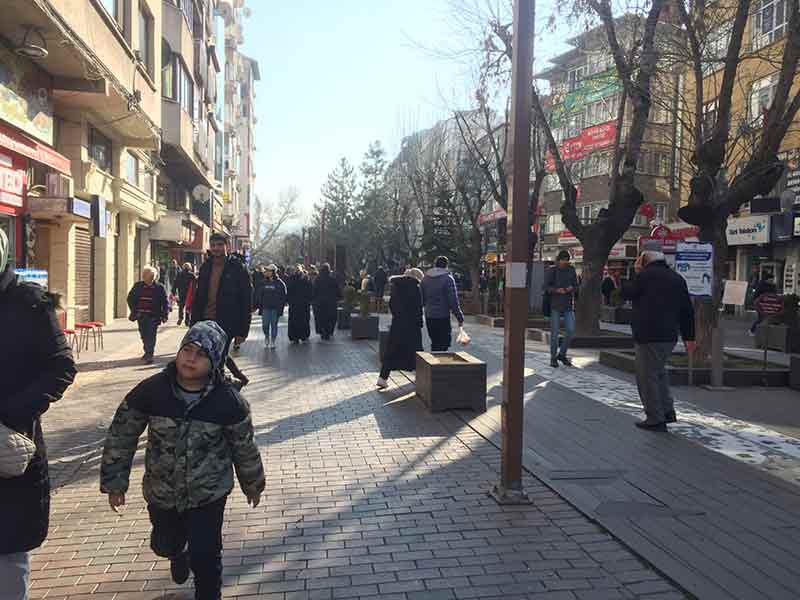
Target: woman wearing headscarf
[(405, 333), (300, 294), (327, 294), (39, 367)]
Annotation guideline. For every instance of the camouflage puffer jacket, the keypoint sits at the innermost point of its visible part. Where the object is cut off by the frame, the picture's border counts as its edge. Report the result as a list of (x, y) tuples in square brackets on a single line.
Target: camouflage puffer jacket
[(191, 448)]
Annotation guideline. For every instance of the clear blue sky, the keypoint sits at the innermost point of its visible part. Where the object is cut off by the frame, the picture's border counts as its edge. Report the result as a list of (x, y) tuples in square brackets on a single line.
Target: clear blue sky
[(338, 74)]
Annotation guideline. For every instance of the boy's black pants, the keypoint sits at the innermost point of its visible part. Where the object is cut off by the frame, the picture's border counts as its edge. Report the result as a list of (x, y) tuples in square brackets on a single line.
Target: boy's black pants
[(201, 528)]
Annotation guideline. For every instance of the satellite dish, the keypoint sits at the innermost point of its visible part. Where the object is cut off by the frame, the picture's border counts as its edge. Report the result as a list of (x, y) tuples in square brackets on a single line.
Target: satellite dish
[(201, 193)]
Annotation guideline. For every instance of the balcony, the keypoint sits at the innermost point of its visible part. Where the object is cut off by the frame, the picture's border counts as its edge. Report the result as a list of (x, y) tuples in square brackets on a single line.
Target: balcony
[(179, 147), (200, 63), (176, 32)]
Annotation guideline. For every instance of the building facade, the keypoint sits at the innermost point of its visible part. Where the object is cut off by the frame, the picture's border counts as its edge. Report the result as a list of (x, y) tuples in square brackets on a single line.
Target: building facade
[(110, 150)]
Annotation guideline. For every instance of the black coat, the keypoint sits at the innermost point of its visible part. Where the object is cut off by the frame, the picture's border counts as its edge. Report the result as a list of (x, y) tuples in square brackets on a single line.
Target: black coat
[(661, 305), (182, 282), (379, 280), (326, 294), (234, 297), (160, 301), (38, 365), (405, 333), (300, 293)]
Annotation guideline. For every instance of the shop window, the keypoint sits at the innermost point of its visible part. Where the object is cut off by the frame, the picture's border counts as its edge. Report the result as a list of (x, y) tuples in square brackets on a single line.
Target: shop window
[(146, 43), (132, 169), (100, 150), (761, 96), (8, 225), (662, 212), (771, 17)]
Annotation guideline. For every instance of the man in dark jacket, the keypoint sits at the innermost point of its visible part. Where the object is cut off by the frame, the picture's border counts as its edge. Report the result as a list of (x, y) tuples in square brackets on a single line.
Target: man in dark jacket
[(379, 279), (661, 308), (149, 307), (224, 293), (39, 367), (299, 295), (326, 295), (441, 298), (183, 280), (561, 283)]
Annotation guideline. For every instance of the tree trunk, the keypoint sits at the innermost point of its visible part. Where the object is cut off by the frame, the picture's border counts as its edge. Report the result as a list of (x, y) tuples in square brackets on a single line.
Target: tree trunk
[(589, 301), (707, 310)]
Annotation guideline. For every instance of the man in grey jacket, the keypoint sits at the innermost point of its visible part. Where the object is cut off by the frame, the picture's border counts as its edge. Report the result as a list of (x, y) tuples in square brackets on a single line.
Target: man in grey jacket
[(561, 283), (441, 298)]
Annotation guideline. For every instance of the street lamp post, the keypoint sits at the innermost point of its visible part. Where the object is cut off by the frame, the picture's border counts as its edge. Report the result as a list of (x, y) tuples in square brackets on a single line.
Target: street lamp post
[(509, 490)]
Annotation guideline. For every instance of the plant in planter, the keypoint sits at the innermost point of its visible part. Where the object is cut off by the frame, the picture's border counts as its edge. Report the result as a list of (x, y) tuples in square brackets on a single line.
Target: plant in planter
[(617, 312), (364, 326), (349, 295), (782, 330)]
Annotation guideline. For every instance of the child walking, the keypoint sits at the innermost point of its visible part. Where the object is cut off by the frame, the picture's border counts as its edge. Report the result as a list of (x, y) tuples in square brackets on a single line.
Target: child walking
[(199, 431)]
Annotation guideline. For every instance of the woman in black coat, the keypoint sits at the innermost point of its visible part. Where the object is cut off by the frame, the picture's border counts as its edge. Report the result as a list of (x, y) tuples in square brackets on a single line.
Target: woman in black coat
[(326, 296), (405, 333), (39, 367), (300, 294)]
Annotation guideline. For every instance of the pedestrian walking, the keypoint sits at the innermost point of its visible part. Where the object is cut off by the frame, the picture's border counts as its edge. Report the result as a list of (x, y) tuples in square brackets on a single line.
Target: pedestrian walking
[(561, 284), (440, 297), (224, 293), (38, 367), (271, 302), (149, 308), (172, 277), (610, 283), (184, 280), (300, 293), (766, 301), (405, 332), (258, 281), (326, 295), (199, 431), (662, 307), (379, 280)]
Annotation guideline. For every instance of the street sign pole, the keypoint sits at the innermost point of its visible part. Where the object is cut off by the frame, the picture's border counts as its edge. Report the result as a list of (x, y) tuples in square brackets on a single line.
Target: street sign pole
[(509, 490)]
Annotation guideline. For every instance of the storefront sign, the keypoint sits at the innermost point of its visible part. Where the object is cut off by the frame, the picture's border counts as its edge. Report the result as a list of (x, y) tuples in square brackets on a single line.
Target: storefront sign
[(695, 263), (12, 182), (495, 215), (618, 252), (14, 141), (735, 293), (32, 276), (793, 182), (81, 208), (567, 237), (797, 226), (100, 216), (26, 99), (591, 139), (748, 230), (781, 227)]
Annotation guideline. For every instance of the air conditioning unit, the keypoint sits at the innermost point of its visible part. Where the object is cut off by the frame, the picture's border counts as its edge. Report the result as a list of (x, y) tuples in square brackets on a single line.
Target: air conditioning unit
[(59, 185)]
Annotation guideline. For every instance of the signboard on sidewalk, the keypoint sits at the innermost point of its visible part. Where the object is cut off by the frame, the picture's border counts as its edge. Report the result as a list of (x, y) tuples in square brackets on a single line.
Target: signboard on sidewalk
[(695, 263), (735, 293)]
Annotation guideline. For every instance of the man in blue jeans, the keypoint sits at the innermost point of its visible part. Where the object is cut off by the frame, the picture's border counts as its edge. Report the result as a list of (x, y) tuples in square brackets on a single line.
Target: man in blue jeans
[(561, 283)]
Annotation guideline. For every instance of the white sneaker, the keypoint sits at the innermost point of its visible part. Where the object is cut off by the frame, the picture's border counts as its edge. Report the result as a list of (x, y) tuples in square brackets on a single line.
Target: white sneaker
[(272, 345), (382, 383)]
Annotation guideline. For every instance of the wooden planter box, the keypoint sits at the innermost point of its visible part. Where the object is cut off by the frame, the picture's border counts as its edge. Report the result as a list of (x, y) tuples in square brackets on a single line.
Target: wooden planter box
[(343, 318), (534, 321), (780, 338), (364, 328), (619, 315), (451, 380), (794, 372), (609, 340)]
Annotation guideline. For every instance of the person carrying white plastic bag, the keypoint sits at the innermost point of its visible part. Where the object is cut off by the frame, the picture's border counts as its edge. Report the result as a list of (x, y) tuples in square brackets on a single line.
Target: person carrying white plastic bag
[(463, 337)]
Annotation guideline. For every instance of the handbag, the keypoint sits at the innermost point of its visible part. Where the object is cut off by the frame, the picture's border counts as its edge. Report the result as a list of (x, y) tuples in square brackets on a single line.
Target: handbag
[(16, 452)]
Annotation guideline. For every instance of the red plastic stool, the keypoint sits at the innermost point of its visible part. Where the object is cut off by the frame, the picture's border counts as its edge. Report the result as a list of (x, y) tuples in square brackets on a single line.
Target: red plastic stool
[(83, 337), (97, 332), (72, 340)]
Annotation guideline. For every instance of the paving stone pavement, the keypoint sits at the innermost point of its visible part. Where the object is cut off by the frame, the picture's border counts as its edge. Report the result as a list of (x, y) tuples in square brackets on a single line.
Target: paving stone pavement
[(368, 496)]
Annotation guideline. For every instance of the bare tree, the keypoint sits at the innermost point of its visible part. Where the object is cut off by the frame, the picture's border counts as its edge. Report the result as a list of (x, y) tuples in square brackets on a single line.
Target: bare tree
[(269, 220)]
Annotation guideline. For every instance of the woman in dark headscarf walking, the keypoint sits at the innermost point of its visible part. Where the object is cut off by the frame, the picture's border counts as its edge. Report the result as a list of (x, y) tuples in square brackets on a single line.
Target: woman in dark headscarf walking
[(300, 294), (405, 333), (326, 295)]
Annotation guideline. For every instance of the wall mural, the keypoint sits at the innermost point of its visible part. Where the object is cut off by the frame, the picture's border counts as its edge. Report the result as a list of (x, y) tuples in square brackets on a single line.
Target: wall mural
[(26, 96)]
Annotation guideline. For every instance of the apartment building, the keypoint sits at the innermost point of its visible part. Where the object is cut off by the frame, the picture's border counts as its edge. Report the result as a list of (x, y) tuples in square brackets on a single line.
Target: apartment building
[(246, 129), (765, 237), (583, 107), (80, 127), (111, 141)]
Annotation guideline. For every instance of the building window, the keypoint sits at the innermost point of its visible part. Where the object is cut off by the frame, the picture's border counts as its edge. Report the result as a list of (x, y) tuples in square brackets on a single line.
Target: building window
[(146, 49), (716, 48), (554, 224), (185, 87), (575, 77), (709, 118), (187, 7), (112, 8), (585, 213), (662, 212), (132, 169), (100, 150), (761, 97), (654, 163), (168, 78), (771, 17), (147, 183)]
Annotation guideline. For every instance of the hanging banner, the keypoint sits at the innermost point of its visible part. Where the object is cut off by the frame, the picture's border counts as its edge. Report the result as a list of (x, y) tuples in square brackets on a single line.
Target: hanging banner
[(591, 139), (593, 88), (695, 263)]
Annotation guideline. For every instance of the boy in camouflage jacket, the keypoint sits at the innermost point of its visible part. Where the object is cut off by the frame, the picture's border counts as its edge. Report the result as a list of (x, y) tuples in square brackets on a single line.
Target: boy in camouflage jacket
[(199, 427)]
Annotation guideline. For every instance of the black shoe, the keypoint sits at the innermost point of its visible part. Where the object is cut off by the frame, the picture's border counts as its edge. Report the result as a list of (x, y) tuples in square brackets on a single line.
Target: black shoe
[(148, 359), (660, 427), (179, 568), (670, 417), (563, 358), (554, 363), (180, 321)]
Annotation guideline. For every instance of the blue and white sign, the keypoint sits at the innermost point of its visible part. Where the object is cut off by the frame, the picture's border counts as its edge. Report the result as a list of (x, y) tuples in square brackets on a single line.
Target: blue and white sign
[(33, 276), (695, 263)]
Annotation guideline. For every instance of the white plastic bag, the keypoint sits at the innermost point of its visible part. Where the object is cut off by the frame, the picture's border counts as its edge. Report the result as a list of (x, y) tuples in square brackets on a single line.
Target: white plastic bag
[(463, 337)]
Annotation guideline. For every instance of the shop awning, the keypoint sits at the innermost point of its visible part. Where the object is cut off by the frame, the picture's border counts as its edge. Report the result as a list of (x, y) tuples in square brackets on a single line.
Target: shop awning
[(13, 140)]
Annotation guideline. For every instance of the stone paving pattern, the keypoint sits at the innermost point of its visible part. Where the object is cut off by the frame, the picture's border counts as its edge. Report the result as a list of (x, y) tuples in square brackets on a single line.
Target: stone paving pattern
[(368, 496)]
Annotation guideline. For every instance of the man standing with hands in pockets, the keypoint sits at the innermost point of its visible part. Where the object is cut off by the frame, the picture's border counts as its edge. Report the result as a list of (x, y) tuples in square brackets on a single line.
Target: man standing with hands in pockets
[(662, 307), (561, 283)]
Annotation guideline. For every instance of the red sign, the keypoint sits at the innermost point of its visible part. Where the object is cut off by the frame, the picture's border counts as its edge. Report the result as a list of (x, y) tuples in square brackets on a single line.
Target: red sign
[(496, 214), (21, 144), (647, 210), (592, 138)]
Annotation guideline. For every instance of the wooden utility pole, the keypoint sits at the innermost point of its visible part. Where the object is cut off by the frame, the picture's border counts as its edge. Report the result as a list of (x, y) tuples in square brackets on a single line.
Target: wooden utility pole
[(509, 490)]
